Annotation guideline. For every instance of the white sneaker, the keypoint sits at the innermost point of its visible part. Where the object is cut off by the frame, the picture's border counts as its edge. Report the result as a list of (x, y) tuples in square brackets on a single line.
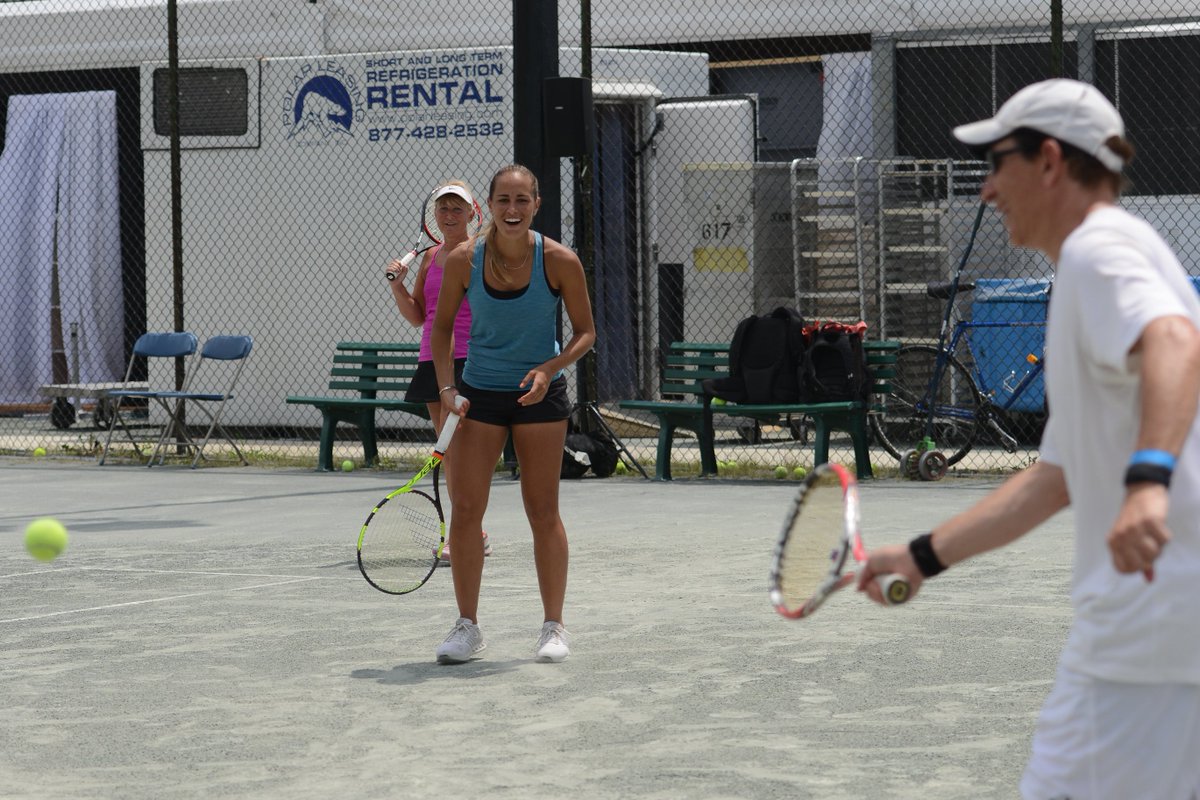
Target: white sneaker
[(552, 644), (464, 641)]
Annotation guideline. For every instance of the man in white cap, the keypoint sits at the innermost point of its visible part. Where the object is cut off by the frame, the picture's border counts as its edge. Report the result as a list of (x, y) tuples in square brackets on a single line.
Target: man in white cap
[(1121, 447)]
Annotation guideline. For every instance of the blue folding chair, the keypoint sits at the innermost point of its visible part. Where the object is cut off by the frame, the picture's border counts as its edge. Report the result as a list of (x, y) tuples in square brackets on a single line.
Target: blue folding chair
[(220, 354), (149, 346)]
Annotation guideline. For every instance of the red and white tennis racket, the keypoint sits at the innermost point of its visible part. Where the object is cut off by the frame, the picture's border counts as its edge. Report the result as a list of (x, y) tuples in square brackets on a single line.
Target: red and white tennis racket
[(821, 545), (431, 232)]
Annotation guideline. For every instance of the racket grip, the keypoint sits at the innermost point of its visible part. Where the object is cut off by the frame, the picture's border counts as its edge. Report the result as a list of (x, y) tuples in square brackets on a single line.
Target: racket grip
[(404, 262), (895, 589), (443, 442)]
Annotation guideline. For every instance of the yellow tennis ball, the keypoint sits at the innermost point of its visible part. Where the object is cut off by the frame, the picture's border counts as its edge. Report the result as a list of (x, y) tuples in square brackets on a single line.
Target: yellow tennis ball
[(621, 468), (799, 472), (45, 539), (718, 401), (781, 471), (39, 451), (347, 466)]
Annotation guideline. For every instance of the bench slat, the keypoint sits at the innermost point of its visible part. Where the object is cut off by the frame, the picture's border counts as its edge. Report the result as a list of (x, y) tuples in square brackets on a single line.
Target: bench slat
[(383, 347)]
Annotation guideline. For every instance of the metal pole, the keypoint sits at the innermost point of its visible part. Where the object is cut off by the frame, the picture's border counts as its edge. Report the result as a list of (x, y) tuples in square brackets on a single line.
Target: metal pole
[(585, 176), (1056, 39), (535, 58), (176, 187)]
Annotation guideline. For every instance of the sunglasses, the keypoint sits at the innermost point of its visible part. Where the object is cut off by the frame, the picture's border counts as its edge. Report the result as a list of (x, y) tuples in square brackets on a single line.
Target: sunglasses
[(995, 158)]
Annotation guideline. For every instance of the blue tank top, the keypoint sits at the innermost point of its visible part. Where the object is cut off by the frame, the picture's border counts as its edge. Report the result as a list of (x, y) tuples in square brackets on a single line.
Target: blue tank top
[(511, 332)]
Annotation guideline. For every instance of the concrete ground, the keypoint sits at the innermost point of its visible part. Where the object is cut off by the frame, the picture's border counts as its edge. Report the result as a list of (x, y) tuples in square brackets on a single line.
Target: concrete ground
[(207, 635)]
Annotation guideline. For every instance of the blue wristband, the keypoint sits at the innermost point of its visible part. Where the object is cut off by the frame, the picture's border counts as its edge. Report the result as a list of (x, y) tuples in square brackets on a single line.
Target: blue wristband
[(1158, 458)]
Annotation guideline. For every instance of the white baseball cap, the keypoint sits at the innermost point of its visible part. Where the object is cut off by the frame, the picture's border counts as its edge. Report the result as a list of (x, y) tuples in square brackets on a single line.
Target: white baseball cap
[(1070, 111), (458, 191)]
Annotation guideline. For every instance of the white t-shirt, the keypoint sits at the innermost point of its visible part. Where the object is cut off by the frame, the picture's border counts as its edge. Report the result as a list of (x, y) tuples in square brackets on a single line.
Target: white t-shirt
[(1115, 275)]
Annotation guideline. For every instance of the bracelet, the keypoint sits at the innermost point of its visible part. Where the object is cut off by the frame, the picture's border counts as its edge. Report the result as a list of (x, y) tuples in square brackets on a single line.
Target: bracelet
[(921, 549), (447, 388), (1159, 458), (1144, 472)]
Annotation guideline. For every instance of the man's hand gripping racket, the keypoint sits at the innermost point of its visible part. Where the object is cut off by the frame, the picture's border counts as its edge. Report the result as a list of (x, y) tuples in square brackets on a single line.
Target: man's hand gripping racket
[(821, 545), (400, 543), (431, 231)]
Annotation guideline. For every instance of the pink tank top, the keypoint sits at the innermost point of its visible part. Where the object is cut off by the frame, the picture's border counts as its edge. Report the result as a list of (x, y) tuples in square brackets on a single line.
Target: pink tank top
[(462, 323)]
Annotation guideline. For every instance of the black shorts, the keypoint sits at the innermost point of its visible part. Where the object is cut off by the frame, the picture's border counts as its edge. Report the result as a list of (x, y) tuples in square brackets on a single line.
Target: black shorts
[(502, 408), (424, 388)]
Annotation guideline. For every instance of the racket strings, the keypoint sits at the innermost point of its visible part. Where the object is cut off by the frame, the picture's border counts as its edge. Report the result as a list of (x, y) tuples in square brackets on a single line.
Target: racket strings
[(813, 550), (402, 541), (429, 222), (474, 222)]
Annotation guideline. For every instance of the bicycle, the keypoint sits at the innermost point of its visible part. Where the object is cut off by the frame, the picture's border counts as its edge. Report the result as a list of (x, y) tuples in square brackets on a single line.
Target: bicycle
[(941, 405)]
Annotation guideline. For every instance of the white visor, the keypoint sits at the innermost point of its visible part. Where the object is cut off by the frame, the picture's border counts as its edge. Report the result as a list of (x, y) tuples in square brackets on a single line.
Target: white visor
[(457, 191)]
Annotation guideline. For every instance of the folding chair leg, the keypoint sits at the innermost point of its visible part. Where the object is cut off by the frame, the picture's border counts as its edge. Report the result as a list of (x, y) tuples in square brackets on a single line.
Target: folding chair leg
[(117, 419), (217, 426), (168, 429)]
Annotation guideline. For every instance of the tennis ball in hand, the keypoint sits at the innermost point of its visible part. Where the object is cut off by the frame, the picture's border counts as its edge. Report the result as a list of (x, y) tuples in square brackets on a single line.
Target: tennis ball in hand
[(799, 472), (39, 451), (347, 466), (45, 539)]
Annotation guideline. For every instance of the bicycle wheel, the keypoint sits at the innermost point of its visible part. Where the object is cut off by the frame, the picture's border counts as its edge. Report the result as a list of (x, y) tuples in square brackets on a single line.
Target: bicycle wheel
[(905, 412)]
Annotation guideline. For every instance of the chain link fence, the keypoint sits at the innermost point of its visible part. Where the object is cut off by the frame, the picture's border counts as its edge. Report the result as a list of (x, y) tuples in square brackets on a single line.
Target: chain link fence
[(743, 158)]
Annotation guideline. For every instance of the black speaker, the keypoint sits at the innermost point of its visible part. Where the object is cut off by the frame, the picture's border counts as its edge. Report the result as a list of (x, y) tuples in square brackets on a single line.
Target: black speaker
[(568, 119)]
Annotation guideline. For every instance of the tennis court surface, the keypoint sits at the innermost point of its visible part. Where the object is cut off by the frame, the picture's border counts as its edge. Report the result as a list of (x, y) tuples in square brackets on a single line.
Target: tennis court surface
[(207, 634)]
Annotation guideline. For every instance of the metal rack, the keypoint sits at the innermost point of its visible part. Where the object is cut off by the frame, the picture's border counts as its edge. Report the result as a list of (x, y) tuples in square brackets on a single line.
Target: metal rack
[(828, 239)]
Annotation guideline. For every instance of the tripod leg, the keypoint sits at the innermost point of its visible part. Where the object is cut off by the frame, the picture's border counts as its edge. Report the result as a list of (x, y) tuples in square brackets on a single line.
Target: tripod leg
[(626, 456)]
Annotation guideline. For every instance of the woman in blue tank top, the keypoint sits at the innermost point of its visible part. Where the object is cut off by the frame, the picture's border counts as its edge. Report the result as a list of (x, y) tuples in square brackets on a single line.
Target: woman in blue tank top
[(515, 280)]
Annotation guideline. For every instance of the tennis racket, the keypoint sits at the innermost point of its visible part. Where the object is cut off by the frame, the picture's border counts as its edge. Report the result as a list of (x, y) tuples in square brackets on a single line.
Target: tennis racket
[(400, 543), (821, 545), (430, 231)]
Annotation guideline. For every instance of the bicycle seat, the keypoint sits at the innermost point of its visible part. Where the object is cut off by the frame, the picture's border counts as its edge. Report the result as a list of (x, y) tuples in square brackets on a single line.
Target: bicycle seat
[(940, 290)]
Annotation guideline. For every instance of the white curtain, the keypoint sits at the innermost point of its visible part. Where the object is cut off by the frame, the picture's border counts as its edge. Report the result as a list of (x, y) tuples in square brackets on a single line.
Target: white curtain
[(60, 152), (846, 123)]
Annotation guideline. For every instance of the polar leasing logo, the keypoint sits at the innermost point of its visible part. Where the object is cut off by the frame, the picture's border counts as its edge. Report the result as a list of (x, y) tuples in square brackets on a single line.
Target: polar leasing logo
[(324, 104)]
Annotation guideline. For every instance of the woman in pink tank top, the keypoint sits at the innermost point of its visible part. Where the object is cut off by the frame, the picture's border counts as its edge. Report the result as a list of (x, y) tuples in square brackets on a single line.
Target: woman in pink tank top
[(453, 206)]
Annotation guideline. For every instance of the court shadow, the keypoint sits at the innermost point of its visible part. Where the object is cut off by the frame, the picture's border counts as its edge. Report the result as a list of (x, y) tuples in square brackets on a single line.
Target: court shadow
[(419, 672)]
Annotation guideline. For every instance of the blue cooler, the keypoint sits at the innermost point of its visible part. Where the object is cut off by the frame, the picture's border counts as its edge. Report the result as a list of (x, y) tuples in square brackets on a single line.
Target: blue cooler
[(1001, 351)]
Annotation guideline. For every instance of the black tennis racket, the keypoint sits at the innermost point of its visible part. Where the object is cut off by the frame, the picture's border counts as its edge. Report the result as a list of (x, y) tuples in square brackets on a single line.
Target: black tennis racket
[(821, 545), (400, 543), (430, 234)]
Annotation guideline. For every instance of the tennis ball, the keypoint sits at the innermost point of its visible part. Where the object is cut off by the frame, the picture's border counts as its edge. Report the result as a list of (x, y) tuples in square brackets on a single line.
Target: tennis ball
[(718, 401), (621, 468), (39, 451), (781, 472), (799, 472), (347, 466), (45, 539)]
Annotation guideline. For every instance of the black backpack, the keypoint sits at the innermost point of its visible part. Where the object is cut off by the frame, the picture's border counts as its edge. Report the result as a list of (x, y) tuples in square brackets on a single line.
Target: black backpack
[(764, 360), (594, 450), (835, 365)]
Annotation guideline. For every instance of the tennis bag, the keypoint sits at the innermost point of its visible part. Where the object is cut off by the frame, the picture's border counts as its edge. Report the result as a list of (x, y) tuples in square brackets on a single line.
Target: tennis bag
[(765, 357), (835, 364), (583, 451)]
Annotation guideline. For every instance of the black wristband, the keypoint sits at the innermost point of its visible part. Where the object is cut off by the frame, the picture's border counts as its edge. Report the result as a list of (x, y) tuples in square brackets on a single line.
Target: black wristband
[(922, 553), (1147, 473)]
